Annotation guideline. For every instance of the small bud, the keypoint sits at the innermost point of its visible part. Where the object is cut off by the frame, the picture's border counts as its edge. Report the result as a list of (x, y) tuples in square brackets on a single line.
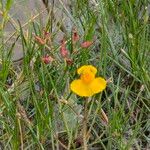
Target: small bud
[(69, 61), (75, 36), (40, 40), (63, 50), (86, 44), (47, 59)]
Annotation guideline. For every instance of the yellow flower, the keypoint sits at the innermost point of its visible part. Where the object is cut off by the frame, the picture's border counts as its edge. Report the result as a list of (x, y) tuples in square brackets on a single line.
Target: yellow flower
[(88, 84)]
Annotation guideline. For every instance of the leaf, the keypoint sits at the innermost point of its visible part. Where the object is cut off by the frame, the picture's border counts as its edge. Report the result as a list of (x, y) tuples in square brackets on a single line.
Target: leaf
[(72, 114), (8, 4)]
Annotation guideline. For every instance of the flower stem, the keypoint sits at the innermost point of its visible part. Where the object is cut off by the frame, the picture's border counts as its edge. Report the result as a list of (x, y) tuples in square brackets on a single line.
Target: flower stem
[(85, 119)]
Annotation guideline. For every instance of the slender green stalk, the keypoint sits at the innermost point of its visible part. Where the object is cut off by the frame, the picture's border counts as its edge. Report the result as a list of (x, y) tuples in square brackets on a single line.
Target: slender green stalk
[(85, 123)]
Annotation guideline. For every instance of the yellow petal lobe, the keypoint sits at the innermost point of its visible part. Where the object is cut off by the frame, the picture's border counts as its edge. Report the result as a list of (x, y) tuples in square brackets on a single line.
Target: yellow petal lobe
[(87, 68), (81, 89), (98, 85)]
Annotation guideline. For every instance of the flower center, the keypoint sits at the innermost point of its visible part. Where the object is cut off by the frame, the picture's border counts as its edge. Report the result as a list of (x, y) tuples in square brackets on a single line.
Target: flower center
[(87, 77)]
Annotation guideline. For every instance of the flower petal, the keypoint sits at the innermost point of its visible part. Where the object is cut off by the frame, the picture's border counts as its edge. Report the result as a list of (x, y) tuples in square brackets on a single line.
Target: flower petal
[(81, 89), (85, 68), (98, 85)]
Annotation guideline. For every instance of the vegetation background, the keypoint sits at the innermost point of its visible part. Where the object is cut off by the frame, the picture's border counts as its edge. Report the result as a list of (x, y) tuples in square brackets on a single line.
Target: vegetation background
[(37, 108)]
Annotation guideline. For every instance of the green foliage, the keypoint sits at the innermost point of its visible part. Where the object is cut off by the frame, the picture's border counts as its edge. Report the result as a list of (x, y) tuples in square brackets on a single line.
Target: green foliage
[(37, 108)]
